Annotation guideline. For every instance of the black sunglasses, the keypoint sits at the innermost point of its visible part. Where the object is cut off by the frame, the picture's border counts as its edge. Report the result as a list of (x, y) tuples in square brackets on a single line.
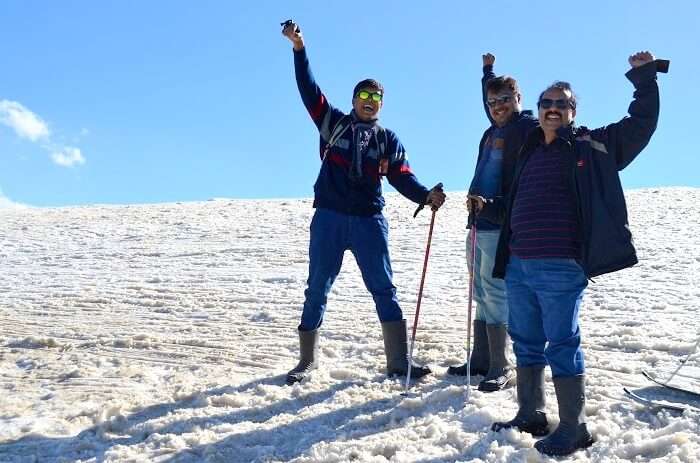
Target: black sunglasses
[(491, 102), (546, 103)]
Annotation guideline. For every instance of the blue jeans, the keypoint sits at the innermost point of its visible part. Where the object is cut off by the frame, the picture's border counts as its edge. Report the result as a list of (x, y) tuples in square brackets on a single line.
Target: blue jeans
[(368, 238), (489, 292), (544, 296)]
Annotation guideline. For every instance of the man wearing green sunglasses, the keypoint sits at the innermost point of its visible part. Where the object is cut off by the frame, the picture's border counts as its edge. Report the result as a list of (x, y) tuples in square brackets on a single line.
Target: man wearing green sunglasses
[(356, 153)]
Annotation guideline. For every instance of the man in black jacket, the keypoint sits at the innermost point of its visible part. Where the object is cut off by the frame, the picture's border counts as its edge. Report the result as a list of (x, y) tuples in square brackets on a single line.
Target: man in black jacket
[(566, 221), (489, 187)]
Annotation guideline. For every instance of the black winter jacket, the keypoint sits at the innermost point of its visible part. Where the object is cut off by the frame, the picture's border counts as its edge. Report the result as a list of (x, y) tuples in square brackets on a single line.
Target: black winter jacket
[(514, 136), (596, 156)]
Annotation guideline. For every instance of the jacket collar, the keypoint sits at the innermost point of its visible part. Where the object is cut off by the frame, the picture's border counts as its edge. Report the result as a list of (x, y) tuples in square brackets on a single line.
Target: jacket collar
[(515, 118), (565, 134), (357, 120)]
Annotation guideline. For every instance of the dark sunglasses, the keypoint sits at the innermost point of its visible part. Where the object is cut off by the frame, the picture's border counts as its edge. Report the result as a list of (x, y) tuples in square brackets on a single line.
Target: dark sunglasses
[(364, 95), (546, 103), (499, 100)]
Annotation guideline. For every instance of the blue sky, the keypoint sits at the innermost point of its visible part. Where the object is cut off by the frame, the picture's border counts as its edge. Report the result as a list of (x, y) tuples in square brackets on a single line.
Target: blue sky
[(140, 102)]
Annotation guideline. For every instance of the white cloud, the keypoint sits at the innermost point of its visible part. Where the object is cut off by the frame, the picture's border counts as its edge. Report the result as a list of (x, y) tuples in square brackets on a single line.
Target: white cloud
[(25, 123), (68, 156), (28, 125)]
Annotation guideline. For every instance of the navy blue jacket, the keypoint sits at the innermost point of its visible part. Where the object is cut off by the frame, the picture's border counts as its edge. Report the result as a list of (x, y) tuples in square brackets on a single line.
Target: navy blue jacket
[(595, 158), (334, 189), (514, 134)]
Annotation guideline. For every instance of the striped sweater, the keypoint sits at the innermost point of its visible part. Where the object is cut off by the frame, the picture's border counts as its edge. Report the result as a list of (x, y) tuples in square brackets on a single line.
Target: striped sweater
[(543, 221)]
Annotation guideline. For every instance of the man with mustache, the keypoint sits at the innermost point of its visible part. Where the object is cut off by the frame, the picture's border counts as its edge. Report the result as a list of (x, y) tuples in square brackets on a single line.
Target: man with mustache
[(356, 153), (566, 222), (498, 151)]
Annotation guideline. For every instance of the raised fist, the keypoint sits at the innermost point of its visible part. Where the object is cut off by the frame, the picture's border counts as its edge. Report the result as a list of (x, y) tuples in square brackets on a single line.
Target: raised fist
[(640, 59)]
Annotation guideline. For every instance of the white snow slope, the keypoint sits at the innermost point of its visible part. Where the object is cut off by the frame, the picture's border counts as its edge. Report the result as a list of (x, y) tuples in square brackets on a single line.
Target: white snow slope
[(162, 333)]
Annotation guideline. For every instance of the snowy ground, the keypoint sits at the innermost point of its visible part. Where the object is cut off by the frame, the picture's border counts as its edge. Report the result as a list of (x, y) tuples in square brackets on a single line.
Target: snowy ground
[(161, 333)]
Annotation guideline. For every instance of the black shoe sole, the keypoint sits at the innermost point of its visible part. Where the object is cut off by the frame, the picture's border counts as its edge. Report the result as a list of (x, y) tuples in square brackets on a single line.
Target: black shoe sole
[(458, 371), (400, 374), (299, 376), (493, 387), (537, 431), (560, 452), (293, 380)]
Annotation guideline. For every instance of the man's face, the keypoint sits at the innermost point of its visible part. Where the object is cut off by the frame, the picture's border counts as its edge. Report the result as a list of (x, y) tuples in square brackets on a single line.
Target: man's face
[(502, 105), (367, 102), (555, 110)]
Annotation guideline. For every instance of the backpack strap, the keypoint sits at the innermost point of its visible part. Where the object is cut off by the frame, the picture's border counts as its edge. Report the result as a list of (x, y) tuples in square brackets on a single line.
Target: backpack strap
[(383, 143), (339, 129)]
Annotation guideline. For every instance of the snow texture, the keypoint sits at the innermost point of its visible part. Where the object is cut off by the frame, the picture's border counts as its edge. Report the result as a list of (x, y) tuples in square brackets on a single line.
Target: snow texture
[(162, 333)]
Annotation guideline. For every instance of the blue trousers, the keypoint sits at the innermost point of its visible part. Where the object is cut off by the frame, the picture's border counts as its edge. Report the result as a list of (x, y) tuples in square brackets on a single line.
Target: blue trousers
[(489, 292), (332, 233), (544, 296)]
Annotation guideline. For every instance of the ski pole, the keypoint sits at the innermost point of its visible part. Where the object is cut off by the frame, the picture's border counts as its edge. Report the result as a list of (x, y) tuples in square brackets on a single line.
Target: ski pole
[(695, 347), (472, 236), (420, 296)]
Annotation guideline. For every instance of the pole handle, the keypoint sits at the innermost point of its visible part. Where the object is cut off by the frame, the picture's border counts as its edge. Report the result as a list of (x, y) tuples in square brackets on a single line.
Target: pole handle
[(437, 187)]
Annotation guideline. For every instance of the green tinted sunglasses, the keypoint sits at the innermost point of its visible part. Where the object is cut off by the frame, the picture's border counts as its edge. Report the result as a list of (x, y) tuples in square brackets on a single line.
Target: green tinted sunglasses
[(364, 95)]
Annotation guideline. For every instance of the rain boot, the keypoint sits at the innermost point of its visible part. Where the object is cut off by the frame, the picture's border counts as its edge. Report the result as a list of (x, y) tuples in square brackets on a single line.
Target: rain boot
[(308, 356), (572, 433), (530, 417), (395, 347), (479, 358), (501, 374)]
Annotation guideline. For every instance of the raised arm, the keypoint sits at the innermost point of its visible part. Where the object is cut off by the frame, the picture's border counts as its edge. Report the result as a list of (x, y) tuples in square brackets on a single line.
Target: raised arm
[(629, 136), (321, 112), (487, 60)]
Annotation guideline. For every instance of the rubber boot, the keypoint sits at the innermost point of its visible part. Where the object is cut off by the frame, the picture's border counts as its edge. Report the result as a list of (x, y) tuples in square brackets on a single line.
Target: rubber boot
[(572, 433), (501, 374), (396, 350), (308, 357), (479, 358), (531, 417)]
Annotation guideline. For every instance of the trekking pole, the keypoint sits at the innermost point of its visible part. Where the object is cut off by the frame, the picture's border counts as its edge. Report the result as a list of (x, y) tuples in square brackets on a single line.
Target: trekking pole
[(472, 236), (420, 296), (420, 291)]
